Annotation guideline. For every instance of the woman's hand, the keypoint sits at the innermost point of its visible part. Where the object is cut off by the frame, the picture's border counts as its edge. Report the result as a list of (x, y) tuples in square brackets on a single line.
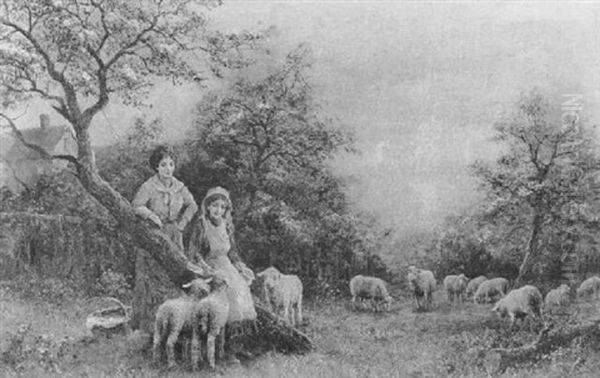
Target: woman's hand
[(155, 219), (246, 272)]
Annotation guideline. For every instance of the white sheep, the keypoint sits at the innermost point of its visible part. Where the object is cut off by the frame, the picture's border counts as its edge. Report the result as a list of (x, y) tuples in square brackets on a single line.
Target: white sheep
[(473, 285), (557, 297), (490, 289), (282, 293), (589, 287), (455, 287), (175, 315), (210, 318), (422, 284), (519, 303), (370, 288)]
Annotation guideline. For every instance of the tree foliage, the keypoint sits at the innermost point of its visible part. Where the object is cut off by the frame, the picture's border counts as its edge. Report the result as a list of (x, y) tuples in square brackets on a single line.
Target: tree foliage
[(265, 139), (541, 191)]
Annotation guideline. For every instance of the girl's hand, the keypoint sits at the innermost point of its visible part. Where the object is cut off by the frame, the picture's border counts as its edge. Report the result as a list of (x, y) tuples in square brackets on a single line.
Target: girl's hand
[(156, 220)]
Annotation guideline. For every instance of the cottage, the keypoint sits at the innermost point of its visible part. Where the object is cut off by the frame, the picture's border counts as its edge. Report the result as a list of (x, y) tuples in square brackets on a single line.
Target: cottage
[(21, 166)]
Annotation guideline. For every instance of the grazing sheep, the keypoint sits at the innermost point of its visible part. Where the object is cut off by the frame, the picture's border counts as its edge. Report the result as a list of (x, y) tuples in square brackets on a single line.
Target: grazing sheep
[(175, 315), (370, 288), (474, 285), (282, 293), (455, 287), (210, 318), (557, 297), (519, 303), (422, 284), (491, 288), (589, 287)]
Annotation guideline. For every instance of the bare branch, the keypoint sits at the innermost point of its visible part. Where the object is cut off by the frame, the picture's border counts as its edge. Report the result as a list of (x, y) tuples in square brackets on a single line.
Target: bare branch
[(70, 94)]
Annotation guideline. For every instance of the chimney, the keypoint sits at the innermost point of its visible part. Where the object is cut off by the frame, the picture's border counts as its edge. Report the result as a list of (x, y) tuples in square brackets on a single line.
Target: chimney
[(44, 121)]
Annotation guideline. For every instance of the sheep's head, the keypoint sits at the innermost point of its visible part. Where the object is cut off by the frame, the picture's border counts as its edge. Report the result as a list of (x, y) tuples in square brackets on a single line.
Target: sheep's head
[(198, 288), (388, 301), (499, 309), (269, 271), (217, 281)]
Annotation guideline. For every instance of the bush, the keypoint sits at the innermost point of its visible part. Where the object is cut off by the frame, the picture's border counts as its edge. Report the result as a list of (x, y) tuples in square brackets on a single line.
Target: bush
[(50, 290), (113, 284)]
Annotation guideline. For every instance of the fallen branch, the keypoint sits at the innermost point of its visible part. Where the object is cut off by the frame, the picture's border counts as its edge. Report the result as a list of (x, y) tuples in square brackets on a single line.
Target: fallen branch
[(497, 360), (276, 334)]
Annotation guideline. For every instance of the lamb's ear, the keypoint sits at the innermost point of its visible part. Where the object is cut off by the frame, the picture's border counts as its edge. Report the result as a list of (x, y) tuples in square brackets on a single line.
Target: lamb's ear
[(208, 280), (187, 285)]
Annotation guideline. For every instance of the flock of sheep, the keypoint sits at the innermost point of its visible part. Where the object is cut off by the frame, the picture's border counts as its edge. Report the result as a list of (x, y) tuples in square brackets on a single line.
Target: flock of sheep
[(516, 304), (202, 312)]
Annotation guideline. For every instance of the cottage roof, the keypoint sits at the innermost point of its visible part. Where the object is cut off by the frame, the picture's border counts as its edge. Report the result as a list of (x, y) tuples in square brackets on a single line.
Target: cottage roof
[(47, 138)]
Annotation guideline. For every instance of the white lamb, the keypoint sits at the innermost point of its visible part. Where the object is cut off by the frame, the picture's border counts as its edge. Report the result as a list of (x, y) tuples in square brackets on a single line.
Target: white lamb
[(372, 289), (282, 293), (175, 315), (589, 287), (473, 285), (455, 287), (488, 290), (557, 297), (211, 315), (519, 303), (422, 284)]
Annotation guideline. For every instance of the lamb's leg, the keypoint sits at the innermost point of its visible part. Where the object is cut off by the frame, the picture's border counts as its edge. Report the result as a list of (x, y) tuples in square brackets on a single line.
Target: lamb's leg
[(157, 341), (299, 311), (221, 341), (196, 348), (286, 311), (292, 314), (171, 340), (210, 350)]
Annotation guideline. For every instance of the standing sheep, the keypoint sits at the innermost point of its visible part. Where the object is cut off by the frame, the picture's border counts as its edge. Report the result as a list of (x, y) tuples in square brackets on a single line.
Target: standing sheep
[(175, 315), (557, 297), (422, 284), (370, 288), (490, 289), (455, 287), (210, 318), (474, 285), (282, 293), (519, 303), (589, 287)]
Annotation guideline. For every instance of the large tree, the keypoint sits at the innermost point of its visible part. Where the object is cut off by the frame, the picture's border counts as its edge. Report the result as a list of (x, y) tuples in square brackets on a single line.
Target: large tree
[(542, 185), (77, 55)]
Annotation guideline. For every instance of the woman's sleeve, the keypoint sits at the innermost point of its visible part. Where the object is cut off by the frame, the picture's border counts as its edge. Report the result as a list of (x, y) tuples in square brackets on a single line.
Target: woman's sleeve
[(190, 207), (140, 201)]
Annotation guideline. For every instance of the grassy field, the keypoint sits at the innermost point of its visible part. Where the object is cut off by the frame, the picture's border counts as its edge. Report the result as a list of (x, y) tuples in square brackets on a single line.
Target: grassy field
[(40, 338)]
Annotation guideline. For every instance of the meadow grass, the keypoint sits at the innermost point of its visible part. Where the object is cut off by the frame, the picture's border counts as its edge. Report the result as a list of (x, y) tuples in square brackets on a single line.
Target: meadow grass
[(348, 343)]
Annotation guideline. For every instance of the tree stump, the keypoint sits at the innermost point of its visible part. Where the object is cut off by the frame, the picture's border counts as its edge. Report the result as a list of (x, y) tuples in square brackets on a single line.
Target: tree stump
[(152, 288)]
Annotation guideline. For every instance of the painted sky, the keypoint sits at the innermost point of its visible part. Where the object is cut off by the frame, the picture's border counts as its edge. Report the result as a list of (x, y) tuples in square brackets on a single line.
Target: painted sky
[(420, 83)]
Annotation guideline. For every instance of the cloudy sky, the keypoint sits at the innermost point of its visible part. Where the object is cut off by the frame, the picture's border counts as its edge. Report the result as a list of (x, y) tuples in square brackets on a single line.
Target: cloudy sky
[(420, 83)]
